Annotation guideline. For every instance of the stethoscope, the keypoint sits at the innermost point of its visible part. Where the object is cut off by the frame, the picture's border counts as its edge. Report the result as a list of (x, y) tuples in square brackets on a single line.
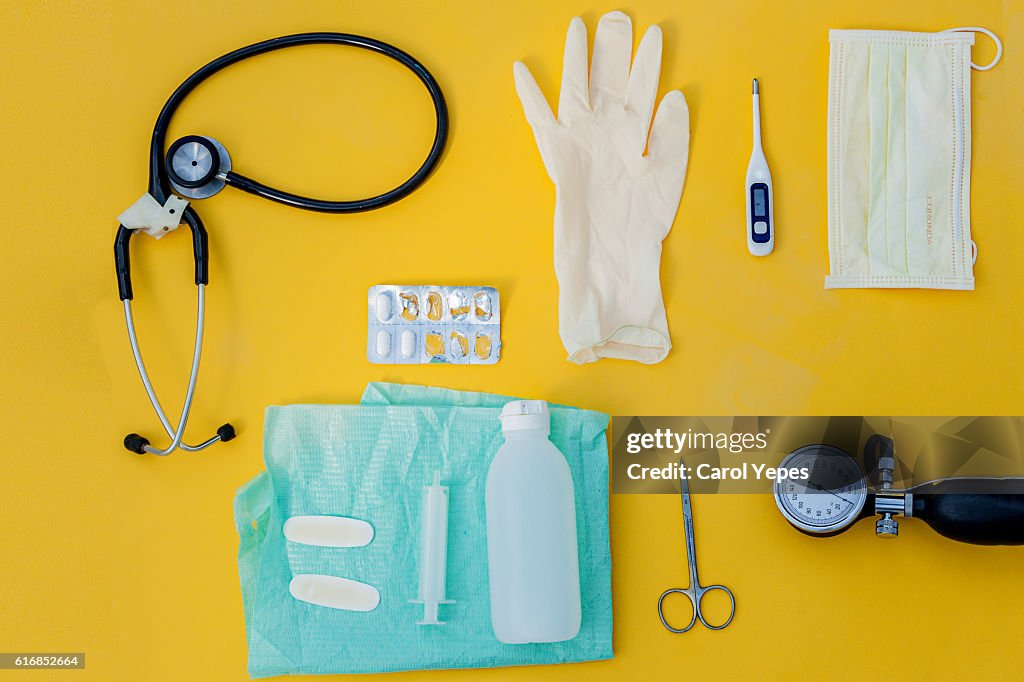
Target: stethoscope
[(197, 167)]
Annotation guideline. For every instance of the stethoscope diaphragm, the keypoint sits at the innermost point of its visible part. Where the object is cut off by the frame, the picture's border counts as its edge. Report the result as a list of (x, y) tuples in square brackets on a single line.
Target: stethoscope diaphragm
[(197, 166)]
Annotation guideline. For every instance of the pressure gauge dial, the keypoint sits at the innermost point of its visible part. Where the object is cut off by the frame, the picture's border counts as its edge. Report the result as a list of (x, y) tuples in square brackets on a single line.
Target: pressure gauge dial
[(830, 498)]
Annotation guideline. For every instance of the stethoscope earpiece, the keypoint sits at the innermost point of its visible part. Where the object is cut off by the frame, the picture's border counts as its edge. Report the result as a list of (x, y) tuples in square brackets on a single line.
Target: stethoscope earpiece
[(133, 442), (226, 433)]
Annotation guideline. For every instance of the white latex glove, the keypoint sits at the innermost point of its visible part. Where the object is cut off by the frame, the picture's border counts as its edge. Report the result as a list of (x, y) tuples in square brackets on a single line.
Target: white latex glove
[(613, 204)]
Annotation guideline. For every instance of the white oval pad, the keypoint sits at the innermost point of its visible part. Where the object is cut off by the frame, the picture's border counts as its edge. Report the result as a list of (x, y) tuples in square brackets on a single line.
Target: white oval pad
[(328, 531), (334, 593)]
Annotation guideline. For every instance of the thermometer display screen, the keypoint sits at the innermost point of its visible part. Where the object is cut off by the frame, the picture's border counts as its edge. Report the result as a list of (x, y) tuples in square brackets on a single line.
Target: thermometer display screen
[(760, 202)]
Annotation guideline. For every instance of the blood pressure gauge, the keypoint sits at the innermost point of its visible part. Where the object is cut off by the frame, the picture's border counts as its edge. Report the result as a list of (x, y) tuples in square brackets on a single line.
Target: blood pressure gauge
[(835, 494), (832, 496)]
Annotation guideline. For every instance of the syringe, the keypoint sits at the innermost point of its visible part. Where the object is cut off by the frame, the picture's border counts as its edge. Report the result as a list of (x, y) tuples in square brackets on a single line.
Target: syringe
[(433, 551)]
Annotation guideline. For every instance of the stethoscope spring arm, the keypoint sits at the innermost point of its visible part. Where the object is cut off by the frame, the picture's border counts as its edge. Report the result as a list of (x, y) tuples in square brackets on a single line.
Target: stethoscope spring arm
[(139, 444)]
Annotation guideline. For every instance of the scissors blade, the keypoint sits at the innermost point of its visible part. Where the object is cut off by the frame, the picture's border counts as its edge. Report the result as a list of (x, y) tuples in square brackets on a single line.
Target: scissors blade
[(691, 551), (684, 482)]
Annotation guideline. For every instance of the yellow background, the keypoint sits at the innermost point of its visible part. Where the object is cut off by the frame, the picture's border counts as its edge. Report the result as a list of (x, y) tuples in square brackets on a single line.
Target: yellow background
[(132, 559)]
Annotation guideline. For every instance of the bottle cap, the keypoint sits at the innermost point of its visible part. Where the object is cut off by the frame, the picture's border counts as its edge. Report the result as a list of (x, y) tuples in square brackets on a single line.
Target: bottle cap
[(520, 415)]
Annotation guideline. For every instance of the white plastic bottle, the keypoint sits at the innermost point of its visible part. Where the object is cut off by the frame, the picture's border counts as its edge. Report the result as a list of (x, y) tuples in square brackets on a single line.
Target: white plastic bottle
[(531, 532)]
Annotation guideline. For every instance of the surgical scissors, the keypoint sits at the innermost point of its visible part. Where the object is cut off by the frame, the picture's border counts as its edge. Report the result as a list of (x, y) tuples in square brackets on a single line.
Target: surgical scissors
[(695, 592)]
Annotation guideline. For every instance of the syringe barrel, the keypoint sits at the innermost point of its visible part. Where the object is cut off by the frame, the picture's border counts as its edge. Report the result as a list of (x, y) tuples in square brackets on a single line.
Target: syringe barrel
[(434, 543)]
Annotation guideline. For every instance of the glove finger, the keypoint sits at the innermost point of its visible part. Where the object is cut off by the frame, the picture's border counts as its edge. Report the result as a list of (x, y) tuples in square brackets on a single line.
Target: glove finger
[(538, 113), (609, 72), (668, 152), (643, 80), (574, 100), (670, 132)]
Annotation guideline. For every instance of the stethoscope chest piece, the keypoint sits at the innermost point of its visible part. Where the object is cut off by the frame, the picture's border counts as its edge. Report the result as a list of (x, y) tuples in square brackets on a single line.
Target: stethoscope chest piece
[(197, 166)]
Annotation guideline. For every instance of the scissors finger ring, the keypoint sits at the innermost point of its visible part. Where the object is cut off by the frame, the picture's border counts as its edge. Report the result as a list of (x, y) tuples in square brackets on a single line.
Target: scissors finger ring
[(693, 619), (732, 606)]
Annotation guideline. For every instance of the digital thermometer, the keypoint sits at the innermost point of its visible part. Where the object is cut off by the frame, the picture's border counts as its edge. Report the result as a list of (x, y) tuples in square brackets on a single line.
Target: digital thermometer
[(760, 225)]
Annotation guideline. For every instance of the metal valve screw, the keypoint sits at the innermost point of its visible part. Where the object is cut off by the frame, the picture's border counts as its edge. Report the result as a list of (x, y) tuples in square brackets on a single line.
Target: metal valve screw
[(887, 526)]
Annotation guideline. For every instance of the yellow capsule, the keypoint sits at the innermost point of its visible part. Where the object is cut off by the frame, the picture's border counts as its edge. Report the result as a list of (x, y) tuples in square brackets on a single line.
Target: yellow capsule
[(434, 306), (483, 346), (434, 344)]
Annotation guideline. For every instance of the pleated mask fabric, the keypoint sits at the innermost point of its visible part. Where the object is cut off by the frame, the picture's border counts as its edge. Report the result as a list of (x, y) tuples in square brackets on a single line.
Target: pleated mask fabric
[(899, 159)]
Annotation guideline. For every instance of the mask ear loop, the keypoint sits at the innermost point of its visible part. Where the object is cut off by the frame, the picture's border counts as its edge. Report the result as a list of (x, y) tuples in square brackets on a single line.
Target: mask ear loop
[(990, 34)]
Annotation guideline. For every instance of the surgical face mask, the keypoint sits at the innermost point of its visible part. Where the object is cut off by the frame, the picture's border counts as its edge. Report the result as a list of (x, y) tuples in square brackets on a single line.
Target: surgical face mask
[(899, 159)]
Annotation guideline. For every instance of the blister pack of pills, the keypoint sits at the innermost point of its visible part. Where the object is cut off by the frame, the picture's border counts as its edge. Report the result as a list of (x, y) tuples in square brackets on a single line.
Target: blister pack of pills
[(412, 325)]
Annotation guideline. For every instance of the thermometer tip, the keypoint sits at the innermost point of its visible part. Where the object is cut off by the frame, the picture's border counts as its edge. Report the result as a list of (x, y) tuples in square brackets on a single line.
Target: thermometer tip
[(755, 86)]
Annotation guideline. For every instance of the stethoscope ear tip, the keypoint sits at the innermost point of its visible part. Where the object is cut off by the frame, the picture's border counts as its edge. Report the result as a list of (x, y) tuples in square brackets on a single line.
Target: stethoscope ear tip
[(226, 432), (133, 442)]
